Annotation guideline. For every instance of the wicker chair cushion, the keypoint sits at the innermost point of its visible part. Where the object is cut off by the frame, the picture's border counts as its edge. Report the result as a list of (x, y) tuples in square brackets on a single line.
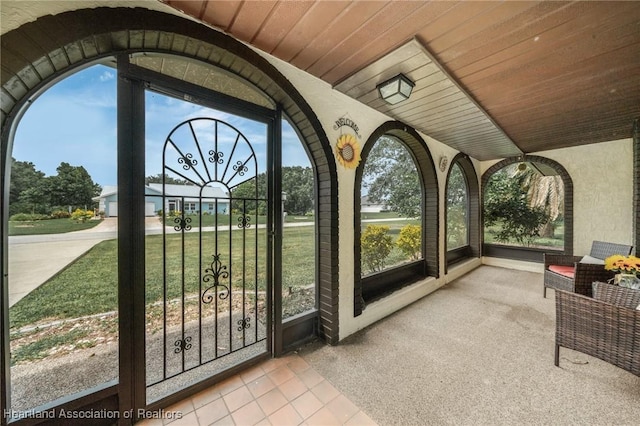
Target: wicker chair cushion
[(567, 271)]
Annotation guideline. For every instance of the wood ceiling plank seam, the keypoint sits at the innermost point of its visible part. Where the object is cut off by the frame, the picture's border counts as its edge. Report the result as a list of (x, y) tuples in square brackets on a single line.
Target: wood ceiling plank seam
[(437, 104), (246, 18), (504, 23), (366, 36), (522, 46), (583, 122), (575, 104), (552, 51), (317, 18), (379, 45), (460, 117), (279, 23), (444, 89), (378, 71), (464, 120), (565, 86), (522, 27), (351, 17), (459, 133), (503, 12), (441, 113), (219, 17), (471, 98)]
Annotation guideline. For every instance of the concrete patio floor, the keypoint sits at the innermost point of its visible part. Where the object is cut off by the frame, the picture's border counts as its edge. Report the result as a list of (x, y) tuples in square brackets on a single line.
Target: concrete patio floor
[(477, 352)]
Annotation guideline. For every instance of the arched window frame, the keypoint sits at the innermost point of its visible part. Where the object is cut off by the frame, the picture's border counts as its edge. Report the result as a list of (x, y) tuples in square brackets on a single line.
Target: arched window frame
[(527, 253), (472, 248), (392, 279)]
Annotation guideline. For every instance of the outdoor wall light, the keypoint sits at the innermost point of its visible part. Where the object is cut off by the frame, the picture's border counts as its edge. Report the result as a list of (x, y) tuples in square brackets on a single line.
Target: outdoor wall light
[(396, 89)]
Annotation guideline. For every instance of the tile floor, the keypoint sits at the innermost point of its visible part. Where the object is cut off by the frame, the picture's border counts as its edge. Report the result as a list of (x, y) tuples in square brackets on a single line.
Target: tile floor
[(279, 392)]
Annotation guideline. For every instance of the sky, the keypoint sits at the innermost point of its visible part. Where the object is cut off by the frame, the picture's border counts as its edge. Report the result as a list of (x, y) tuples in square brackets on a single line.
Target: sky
[(75, 121)]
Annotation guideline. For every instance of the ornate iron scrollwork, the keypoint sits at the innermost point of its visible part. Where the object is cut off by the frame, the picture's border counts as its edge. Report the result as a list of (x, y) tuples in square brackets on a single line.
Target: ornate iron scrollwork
[(182, 223), (216, 156), (214, 272), (240, 168), (183, 344), (187, 161), (244, 221), (244, 323)]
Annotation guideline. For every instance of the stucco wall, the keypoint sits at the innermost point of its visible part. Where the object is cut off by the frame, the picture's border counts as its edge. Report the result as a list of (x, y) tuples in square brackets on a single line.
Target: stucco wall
[(330, 105)]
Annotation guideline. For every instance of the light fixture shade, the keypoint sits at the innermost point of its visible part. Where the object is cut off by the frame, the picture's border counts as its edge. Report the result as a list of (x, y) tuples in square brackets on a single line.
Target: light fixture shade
[(396, 89)]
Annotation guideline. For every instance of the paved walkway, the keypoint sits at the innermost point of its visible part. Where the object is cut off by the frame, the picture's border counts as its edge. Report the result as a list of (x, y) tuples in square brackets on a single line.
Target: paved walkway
[(34, 259)]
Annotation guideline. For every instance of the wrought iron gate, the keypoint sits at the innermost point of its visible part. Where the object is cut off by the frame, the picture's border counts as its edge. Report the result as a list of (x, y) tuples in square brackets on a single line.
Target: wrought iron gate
[(207, 309)]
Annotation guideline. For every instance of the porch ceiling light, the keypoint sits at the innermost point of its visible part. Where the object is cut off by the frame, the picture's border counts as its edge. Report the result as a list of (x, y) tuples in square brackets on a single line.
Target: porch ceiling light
[(396, 89)]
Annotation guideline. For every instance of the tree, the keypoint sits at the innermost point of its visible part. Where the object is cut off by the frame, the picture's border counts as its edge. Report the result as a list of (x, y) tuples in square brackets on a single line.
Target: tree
[(28, 188), (390, 177), (167, 179), (297, 182), (456, 208), (72, 186), (506, 204), (546, 192)]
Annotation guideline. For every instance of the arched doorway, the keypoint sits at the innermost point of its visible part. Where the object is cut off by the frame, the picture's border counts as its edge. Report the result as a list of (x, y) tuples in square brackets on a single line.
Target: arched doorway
[(150, 51)]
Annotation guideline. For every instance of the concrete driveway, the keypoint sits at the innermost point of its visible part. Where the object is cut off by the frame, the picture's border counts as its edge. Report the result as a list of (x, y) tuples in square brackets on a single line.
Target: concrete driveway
[(34, 259)]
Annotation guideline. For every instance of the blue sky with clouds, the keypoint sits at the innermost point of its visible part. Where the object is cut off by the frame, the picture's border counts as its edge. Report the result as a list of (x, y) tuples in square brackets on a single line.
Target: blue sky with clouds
[(75, 122)]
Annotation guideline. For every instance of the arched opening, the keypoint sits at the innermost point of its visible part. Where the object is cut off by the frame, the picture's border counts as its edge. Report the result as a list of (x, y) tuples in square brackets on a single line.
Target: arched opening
[(160, 57), (462, 211), (522, 198), (385, 262)]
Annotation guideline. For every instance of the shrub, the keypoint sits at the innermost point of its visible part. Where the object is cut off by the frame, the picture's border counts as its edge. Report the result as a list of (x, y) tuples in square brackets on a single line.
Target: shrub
[(410, 241), (376, 245), (60, 214), (28, 217), (81, 215)]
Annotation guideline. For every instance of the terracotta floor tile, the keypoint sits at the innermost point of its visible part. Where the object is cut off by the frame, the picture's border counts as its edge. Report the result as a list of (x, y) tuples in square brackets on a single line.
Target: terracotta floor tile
[(229, 385), (293, 388), (310, 377), (238, 398), (185, 406), (297, 364), (225, 421), (360, 419), (286, 416), (252, 374), (342, 408), (212, 412), (260, 386), (323, 417), (204, 397), (325, 391), (307, 404), (272, 364), (248, 415), (189, 419), (280, 375), (272, 401)]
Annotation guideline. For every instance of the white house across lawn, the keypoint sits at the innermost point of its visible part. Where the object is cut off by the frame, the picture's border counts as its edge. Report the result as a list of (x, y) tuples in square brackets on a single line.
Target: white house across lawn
[(188, 198)]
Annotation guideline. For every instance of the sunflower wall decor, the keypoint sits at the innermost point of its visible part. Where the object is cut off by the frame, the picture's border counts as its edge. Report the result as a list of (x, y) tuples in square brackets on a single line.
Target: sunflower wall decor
[(348, 151)]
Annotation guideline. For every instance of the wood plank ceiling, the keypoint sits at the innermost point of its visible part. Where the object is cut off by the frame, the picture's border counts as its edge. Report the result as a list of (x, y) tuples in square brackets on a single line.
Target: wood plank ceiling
[(545, 75)]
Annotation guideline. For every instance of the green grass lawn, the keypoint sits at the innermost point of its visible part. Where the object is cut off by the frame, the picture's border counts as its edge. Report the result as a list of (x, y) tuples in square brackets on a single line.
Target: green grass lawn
[(89, 284), (50, 226)]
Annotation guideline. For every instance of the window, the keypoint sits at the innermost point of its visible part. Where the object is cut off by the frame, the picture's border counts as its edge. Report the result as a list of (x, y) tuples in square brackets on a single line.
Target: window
[(462, 211), (396, 230), (524, 208)]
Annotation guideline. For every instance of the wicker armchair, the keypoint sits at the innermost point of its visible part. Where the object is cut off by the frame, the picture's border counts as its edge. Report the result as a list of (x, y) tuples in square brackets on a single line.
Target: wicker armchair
[(583, 274), (606, 326)]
